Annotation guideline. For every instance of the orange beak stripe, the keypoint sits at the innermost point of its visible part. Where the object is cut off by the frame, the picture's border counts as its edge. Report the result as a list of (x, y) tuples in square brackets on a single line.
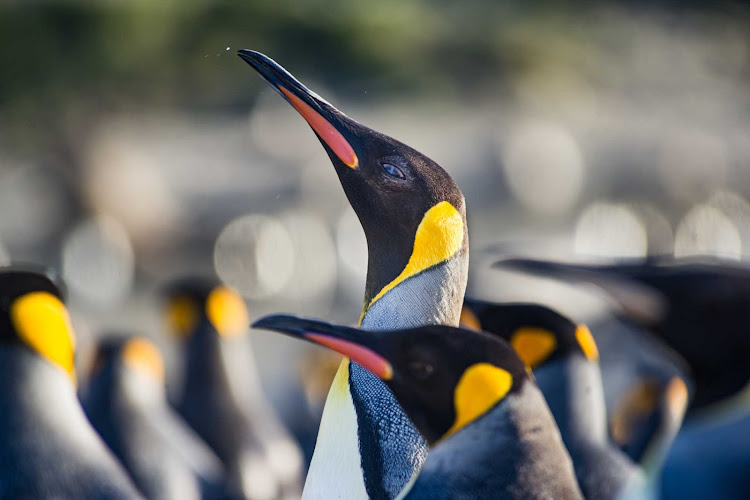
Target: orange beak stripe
[(325, 130), (365, 357)]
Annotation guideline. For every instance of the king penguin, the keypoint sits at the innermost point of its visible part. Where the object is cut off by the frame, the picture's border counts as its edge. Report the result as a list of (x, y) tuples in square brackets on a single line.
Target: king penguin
[(49, 449), (221, 397), (563, 357), (490, 431), (126, 403), (697, 306), (414, 220), (648, 417)]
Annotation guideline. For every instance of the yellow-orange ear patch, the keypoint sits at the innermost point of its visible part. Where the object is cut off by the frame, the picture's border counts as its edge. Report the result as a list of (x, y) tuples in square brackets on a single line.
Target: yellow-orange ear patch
[(677, 396), (181, 316), (227, 312), (480, 387), (469, 320), (586, 341), (143, 356), (533, 345), (42, 322)]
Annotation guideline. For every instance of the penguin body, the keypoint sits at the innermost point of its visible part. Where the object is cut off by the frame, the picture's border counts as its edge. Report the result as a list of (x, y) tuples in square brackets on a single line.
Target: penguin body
[(648, 418), (414, 219), (126, 403), (221, 398), (698, 307), (48, 450), (489, 428), (563, 357)]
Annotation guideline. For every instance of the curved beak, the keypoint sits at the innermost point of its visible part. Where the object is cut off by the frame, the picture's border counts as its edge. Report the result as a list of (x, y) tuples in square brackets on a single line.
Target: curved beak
[(359, 345), (326, 121)]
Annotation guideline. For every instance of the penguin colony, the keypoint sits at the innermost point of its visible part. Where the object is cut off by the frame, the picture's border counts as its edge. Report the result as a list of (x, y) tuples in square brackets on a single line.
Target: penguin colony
[(438, 396)]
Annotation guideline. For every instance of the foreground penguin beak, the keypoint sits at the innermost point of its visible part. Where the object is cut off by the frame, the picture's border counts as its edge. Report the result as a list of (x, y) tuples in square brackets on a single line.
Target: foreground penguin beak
[(325, 120), (353, 343)]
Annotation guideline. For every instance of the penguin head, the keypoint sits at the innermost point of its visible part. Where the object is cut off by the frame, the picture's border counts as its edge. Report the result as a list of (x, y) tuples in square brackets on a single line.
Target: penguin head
[(412, 212), (120, 356), (537, 333), (445, 378), (33, 315), (193, 304)]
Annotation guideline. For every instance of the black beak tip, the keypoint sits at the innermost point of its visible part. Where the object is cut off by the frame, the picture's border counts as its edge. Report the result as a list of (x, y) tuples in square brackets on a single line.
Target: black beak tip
[(283, 323)]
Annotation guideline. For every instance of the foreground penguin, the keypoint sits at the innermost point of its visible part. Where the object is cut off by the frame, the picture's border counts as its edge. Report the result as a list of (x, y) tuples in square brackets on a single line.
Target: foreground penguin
[(472, 399), (47, 447), (221, 397), (563, 357), (697, 307), (126, 403), (414, 219)]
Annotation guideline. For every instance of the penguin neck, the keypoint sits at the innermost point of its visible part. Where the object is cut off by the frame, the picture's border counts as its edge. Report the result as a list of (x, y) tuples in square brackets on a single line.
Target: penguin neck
[(496, 451), (431, 297), (37, 394), (573, 389)]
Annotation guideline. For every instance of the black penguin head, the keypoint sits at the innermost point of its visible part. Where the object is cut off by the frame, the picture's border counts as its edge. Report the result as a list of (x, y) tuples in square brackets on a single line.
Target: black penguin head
[(194, 303), (412, 212), (537, 333), (444, 377), (32, 314), (120, 355)]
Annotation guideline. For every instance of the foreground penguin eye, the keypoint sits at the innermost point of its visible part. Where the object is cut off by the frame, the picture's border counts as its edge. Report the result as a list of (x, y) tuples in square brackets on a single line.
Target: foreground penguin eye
[(421, 370), (393, 171)]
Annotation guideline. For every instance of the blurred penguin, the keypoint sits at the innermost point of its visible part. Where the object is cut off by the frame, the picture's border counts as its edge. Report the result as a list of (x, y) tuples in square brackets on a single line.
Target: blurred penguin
[(221, 396), (126, 403), (49, 449), (564, 359), (696, 306)]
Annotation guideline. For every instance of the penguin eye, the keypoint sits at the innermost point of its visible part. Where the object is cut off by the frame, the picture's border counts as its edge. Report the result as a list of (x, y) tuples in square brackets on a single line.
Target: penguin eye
[(421, 370), (393, 171)]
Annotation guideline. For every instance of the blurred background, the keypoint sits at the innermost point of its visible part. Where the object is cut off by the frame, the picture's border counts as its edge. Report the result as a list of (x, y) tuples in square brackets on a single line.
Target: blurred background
[(135, 147)]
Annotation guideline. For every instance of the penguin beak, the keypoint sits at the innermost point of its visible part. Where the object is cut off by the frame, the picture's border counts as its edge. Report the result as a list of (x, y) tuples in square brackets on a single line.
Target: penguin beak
[(326, 121), (351, 342), (639, 301)]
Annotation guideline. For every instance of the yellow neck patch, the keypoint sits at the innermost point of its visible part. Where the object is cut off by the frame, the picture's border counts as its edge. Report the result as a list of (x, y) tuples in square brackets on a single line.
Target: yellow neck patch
[(143, 356), (181, 316), (481, 386), (469, 320), (438, 238), (586, 341), (677, 396), (227, 312), (42, 322), (533, 345)]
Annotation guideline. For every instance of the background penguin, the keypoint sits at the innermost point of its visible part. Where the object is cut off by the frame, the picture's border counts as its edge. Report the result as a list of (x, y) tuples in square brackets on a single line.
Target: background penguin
[(125, 401), (47, 447), (221, 397), (648, 418), (472, 399), (698, 307), (414, 219), (563, 357)]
